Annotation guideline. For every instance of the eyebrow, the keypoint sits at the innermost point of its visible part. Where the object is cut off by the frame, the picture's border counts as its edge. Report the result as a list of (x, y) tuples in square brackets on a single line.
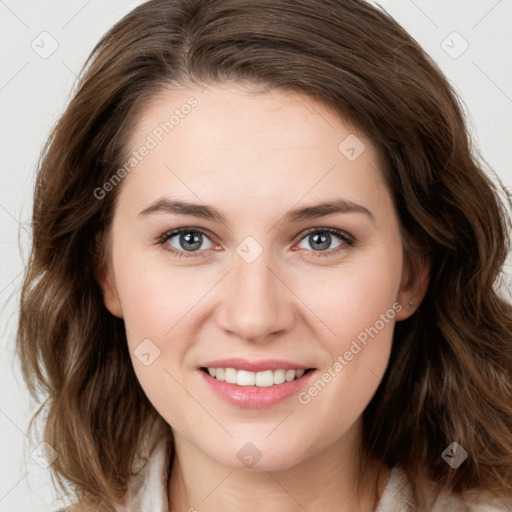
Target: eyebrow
[(295, 215)]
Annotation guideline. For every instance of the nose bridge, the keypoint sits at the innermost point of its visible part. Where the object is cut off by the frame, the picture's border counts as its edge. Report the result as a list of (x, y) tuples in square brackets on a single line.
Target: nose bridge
[(255, 302)]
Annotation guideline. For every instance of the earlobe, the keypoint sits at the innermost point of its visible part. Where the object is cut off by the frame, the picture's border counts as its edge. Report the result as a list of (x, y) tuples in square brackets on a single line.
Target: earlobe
[(413, 287)]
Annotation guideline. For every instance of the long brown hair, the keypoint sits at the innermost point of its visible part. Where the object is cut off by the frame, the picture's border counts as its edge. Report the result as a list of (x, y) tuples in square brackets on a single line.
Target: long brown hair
[(450, 373)]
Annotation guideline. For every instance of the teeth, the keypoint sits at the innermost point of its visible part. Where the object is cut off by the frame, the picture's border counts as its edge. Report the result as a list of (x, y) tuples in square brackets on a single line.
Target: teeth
[(244, 378), (262, 379), (265, 379), (279, 376), (230, 375), (290, 375)]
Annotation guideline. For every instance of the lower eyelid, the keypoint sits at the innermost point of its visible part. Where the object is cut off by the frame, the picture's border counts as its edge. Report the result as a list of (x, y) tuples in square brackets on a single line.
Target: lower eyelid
[(344, 246)]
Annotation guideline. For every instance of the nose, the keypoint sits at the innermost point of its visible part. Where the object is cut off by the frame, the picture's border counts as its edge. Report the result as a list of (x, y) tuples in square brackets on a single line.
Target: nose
[(256, 301)]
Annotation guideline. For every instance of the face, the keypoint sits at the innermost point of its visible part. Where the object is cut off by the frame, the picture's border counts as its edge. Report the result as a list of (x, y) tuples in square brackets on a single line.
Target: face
[(222, 257)]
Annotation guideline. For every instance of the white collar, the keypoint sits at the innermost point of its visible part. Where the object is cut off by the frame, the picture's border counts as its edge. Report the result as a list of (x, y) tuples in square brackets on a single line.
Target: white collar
[(147, 491)]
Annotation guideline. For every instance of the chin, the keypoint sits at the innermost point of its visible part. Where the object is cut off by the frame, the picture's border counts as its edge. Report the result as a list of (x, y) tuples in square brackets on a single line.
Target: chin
[(259, 455)]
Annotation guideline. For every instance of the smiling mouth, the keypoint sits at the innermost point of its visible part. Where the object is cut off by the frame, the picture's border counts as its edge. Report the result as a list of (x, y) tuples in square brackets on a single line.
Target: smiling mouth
[(262, 379)]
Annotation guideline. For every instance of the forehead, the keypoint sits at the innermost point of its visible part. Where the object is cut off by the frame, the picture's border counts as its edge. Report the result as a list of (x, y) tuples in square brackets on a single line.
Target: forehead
[(240, 116), (249, 143)]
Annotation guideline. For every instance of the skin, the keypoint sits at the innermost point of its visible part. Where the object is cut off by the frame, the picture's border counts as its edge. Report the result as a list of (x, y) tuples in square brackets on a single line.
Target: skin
[(255, 155)]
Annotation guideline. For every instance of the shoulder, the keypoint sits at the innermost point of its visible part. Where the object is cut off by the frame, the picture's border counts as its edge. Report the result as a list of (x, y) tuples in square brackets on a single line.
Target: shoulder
[(482, 502), (76, 507), (397, 497), (486, 502), (79, 507)]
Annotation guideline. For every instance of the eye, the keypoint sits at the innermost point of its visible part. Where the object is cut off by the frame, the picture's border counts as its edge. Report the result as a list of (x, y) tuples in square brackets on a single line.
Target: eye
[(321, 239), (185, 240), (188, 242)]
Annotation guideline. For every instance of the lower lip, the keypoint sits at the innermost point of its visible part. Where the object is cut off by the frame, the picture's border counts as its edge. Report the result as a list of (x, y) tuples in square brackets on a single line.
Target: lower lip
[(254, 397)]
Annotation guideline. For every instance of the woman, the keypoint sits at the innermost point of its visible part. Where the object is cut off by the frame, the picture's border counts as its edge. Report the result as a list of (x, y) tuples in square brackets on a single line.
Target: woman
[(263, 271)]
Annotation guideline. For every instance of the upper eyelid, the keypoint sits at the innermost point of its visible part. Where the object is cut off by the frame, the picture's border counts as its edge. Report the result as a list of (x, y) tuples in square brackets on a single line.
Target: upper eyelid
[(333, 231), (174, 232)]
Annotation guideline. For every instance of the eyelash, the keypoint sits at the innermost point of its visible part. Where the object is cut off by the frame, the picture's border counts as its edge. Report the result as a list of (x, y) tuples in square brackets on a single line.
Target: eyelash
[(347, 239)]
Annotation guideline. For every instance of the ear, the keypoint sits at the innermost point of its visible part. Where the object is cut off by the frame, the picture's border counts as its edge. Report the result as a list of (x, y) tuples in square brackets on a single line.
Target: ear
[(414, 284), (104, 276), (110, 295)]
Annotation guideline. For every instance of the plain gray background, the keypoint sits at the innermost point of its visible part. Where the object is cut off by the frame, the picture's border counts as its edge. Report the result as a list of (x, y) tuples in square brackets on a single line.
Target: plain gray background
[(43, 45)]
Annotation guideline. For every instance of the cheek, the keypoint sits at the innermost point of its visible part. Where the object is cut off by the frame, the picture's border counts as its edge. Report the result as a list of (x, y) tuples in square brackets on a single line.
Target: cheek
[(357, 308), (352, 298), (157, 307), (160, 307), (155, 298)]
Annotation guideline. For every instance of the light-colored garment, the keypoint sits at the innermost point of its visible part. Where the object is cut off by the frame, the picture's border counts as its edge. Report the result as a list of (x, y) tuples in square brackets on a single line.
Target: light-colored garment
[(148, 492), (397, 497)]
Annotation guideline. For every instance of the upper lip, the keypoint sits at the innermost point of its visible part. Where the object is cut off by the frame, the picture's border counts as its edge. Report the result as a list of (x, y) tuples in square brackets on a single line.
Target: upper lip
[(254, 366)]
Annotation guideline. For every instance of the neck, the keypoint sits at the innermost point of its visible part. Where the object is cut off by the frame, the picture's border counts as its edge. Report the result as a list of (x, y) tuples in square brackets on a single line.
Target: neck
[(329, 480)]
